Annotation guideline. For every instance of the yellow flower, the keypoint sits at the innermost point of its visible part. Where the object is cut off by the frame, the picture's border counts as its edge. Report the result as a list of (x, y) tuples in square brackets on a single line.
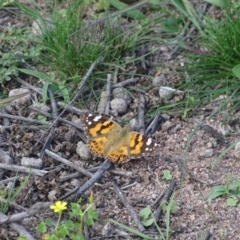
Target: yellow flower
[(59, 206)]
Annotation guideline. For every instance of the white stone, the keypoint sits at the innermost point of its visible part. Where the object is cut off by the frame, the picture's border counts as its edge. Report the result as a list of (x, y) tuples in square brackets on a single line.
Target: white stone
[(119, 105), (32, 162), (83, 151), (123, 94)]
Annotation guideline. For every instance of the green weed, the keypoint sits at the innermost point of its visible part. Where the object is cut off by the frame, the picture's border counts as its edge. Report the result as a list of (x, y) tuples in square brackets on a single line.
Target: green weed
[(148, 219), (73, 227), (231, 190)]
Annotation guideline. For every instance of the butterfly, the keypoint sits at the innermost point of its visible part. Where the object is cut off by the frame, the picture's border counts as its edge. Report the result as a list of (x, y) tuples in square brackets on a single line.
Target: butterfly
[(109, 140)]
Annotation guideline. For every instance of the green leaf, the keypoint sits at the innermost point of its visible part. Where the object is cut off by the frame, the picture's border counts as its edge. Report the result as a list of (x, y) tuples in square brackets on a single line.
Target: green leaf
[(62, 231), (76, 209), (41, 117), (41, 228), (134, 14), (48, 221), (174, 207), (53, 237), (232, 202), (148, 222), (44, 92), (35, 73), (21, 237), (65, 93), (219, 3), (76, 237), (69, 224), (91, 216), (145, 212), (146, 217), (171, 25), (217, 192), (236, 70), (235, 184), (167, 175)]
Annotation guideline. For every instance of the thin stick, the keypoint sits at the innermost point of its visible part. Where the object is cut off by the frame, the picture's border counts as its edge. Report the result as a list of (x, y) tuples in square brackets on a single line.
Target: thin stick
[(130, 209), (12, 179), (125, 83), (108, 90), (22, 231), (93, 179), (25, 84), (60, 119), (68, 163), (141, 109), (37, 207), (154, 124), (16, 168), (166, 197), (18, 118)]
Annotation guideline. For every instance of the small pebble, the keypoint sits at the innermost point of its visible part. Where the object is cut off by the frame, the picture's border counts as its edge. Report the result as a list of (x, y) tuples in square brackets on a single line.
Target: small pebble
[(158, 80), (83, 151), (119, 105), (32, 162), (38, 24), (52, 195), (134, 126), (237, 150), (123, 94), (207, 153), (166, 125)]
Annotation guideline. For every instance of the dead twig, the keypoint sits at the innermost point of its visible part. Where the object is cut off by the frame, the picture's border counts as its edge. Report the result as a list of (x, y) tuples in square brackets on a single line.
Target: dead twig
[(71, 192), (125, 82), (12, 179), (139, 90), (68, 163), (130, 209), (76, 175), (36, 208), (182, 167), (108, 90), (104, 103), (156, 202), (141, 110), (208, 236), (71, 108), (27, 85), (165, 198), (23, 119), (21, 230), (60, 119), (154, 124), (16, 168), (102, 169)]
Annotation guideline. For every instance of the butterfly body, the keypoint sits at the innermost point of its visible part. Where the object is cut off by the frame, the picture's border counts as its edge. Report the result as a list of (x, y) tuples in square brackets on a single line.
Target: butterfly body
[(108, 139)]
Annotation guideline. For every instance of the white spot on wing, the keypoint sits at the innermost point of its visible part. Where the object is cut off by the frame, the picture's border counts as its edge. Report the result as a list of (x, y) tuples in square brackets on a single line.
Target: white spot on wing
[(96, 119), (149, 141)]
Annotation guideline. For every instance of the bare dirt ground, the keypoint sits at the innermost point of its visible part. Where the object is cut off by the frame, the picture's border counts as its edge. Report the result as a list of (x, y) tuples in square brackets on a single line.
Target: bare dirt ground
[(141, 180)]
